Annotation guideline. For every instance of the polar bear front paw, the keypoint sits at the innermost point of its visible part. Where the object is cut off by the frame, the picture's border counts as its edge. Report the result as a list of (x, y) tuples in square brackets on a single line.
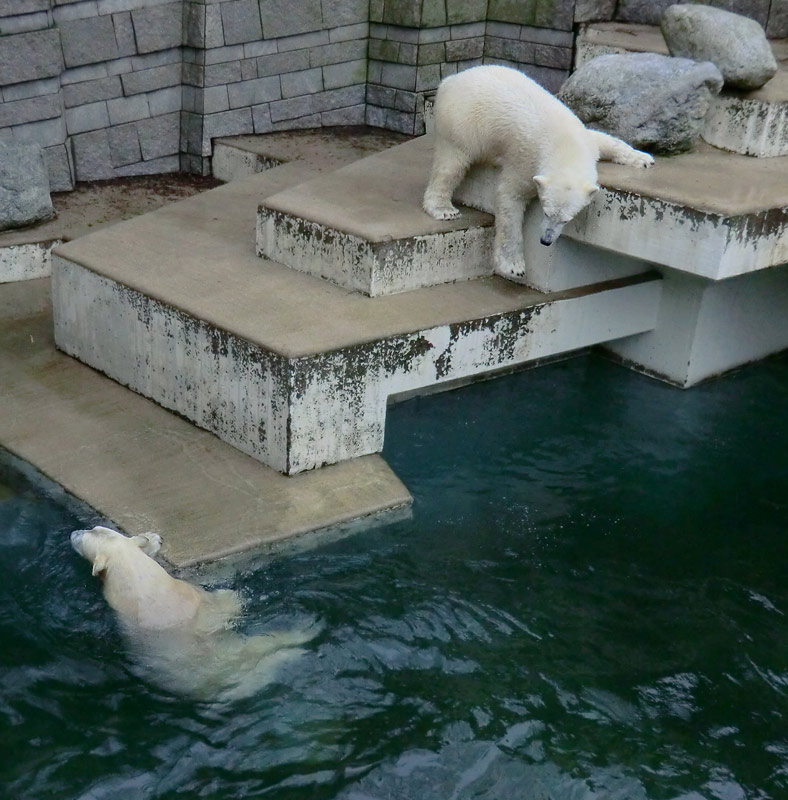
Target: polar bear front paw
[(511, 269), (637, 158), (442, 211)]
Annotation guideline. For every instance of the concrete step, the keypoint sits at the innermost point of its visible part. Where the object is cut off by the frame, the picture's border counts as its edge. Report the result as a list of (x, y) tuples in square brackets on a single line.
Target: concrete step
[(325, 149), (143, 468), (292, 370), (362, 227), (750, 123)]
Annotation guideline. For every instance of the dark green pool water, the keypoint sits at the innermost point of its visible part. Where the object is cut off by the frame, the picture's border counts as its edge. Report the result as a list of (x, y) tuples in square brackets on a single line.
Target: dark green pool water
[(588, 603)]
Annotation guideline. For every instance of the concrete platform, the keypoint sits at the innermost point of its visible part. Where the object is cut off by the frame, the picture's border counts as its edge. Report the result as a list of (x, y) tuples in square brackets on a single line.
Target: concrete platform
[(25, 252), (750, 123), (149, 470), (291, 369), (325, 149), (362, 227)]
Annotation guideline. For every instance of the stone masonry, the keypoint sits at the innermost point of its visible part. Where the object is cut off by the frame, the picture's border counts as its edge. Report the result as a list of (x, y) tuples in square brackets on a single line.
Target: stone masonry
[(129, 87)]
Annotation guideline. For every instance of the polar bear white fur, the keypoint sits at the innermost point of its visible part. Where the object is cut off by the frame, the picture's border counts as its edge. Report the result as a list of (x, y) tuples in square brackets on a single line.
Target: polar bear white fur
[(498, 116), (182, 634)]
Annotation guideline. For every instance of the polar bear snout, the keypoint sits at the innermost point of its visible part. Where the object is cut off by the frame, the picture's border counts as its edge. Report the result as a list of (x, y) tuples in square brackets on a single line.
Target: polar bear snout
[(550, 231), (76, 541)]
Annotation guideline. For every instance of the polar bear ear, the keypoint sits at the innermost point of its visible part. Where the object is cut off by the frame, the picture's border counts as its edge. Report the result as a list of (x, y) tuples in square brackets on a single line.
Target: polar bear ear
[(149, 543), (100, 564), (541, 180), (591, 189)]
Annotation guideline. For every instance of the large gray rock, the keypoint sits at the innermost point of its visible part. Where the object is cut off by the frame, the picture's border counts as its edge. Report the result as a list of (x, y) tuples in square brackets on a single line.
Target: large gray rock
[(24, 186), (736, 44), (653, 102)]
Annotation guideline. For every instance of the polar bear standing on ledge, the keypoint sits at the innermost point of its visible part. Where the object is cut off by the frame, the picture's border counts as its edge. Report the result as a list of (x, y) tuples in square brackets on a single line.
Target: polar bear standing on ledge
[(498, 116)]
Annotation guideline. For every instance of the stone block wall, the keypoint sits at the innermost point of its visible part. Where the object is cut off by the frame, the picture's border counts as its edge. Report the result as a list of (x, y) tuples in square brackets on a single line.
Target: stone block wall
[(127, 87)]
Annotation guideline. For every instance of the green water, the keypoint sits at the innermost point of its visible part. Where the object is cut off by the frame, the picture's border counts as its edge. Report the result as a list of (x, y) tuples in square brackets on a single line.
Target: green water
[(588, 604)]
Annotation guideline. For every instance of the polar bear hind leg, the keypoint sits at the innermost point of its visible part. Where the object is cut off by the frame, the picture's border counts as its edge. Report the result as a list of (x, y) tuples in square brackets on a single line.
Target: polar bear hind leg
[(619, 152), (448, 169)]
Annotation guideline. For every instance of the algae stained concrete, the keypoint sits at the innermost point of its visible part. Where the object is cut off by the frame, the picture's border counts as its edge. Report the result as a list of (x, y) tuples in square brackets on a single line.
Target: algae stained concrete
[(149, 470)]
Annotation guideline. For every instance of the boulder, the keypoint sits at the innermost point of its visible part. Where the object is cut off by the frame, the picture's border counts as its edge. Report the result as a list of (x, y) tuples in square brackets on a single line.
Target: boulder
[(737, 45), (652, 102), (24, 186)]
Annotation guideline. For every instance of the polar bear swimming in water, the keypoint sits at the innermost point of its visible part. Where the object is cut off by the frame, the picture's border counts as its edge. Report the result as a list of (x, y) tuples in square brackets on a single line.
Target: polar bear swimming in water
[(498, 116), (182, 634)]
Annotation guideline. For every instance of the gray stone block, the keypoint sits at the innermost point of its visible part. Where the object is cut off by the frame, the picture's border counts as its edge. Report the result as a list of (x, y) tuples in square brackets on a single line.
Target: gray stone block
[(91, 72), (92, 158), (241, 21), (297, 83), (400, 76), (124, 145), (159, 136), (30, 56), (383, 96), (649, 12), (219, 55), (158, 27), (254, 92), (468, 30), (427, 77), (248, 69), (261, 117), (124, 34), (349, 32), (286, 18), (293, 108), (194, 24), (302, 41), (352, 50), (432, 53), (653, 102), (157, 59), (128, 109), (89, 40), (89, 117), (22, 91), (46, 133), (737, 45), (11, 7), (165, 101), (344, 12), (375, 116), (214, 32), (335, 76), (543, 13), (262, 48), (300, 123), (78, 94), (59, 168), (279, 63), (215, 99), (217, 74), (511, 50), (777, 26), (156, 167), (433, 13), (24, 23), (466, 11), (191, 133), (432, 35), (24, 186), (149, 80), (546, 36), (227, 123), (557, 57), (349, 115), (594, 10), (462, 49), (340, 98)]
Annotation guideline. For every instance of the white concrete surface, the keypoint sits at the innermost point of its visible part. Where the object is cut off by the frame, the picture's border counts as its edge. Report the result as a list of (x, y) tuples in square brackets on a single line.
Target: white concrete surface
[(21, 262)]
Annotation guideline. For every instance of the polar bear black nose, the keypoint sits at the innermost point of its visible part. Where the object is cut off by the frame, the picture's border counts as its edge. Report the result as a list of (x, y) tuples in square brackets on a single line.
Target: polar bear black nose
[(547, 238)]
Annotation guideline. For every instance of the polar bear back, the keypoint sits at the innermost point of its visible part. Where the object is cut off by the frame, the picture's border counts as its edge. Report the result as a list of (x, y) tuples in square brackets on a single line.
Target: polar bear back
[(495, 114)]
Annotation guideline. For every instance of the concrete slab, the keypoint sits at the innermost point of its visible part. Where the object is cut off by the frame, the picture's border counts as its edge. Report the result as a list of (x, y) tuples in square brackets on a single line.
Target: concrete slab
[(293, 370), (149, 470), (706, 212), (25, 253), (325, 149), (362, 227)]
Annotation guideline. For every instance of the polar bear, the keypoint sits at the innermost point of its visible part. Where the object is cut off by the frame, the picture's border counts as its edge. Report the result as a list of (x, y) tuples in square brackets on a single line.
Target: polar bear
[(182, 635), (497, 116)]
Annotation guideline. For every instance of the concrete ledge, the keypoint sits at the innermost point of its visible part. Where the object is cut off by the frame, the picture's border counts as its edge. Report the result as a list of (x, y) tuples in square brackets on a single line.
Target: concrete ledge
[(146, 469), (362, 227), (21, 262)]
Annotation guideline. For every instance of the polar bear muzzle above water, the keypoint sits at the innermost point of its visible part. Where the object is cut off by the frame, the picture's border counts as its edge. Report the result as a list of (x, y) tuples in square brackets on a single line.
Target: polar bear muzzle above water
[(182, 635), (498, 116)]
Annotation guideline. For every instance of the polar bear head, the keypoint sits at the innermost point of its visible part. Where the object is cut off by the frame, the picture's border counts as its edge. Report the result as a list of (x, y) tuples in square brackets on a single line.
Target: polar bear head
[(100, 545), (562, 198)]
